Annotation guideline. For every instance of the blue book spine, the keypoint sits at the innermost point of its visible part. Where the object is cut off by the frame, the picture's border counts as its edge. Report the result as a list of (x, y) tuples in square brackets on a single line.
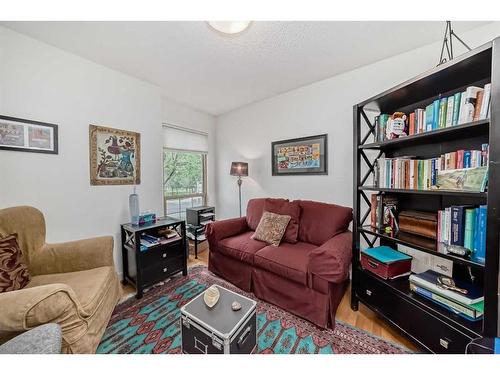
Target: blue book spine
[(435, 114), (475, 241), (433, 172), (456, 107), (480, 255), (467, 159), (457, 225)]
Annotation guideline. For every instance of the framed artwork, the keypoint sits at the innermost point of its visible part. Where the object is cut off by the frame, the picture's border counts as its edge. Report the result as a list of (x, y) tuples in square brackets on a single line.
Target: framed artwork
[(17, 134), (115, 156), (300, 156)]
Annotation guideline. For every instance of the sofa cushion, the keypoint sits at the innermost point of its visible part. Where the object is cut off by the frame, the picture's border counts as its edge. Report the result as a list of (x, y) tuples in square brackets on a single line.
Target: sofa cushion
[(288, 260), (89, 286), (291, 209), (321, 221), (255, 209), (271, 228), (241, 247), (14, 273)]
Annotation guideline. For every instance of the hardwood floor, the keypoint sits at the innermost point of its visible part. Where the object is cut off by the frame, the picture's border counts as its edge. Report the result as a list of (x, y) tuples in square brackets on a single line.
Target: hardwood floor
[(364, 318)]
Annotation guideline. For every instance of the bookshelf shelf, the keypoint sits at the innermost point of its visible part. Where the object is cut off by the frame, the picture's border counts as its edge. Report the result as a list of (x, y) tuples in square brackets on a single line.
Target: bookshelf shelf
[(426, 323), (477, 194), (458, 131), (416, 243)]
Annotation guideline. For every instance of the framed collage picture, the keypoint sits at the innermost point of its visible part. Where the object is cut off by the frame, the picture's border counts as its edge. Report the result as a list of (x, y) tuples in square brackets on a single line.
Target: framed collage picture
[(18, 134), (300, 156)]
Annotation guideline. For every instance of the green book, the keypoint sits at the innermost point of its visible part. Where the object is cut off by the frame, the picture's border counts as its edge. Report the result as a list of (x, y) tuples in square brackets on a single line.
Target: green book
[(478, 306), (421, 174), (470, 219), (456, 107), (443, 105)]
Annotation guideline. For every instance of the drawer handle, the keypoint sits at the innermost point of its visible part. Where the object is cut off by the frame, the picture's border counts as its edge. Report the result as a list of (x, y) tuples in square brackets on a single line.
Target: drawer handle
[(164, 255), (444, 343), (372, 264), (244, 337), (165, 269), (368, 292), (203, 348)]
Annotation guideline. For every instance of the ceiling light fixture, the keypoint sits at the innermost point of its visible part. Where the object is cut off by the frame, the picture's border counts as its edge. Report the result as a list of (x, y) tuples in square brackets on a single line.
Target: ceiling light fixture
[(229, 27)]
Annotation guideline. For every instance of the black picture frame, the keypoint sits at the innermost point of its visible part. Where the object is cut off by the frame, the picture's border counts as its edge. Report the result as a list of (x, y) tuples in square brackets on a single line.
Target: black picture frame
[(322, 139), (14, 121)]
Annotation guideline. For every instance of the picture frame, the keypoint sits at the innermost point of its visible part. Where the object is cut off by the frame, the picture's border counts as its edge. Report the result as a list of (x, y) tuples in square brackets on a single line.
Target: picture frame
[(115, 156), (18, 134), (300, 156)]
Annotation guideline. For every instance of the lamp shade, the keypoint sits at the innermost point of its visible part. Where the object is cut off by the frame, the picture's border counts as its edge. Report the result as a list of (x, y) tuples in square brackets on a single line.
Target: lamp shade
[(239, 168)]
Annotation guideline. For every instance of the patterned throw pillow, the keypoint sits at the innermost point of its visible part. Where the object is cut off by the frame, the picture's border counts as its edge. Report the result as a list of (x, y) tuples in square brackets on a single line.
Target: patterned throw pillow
[(14, 273), (271, 228)]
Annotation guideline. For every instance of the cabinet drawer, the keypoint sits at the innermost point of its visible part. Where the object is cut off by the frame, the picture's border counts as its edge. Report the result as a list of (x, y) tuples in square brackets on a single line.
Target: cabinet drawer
[(162, 253), (161, 270), (434, 333)]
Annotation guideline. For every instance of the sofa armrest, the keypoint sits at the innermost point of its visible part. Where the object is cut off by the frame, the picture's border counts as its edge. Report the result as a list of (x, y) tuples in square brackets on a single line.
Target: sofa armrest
[(73, 256), (218, 230), (23, 309), (331, 260)]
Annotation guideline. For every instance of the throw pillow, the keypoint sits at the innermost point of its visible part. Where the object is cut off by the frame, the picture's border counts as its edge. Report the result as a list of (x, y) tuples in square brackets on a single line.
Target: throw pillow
[(14, 273), (284, 207), (271, 228)]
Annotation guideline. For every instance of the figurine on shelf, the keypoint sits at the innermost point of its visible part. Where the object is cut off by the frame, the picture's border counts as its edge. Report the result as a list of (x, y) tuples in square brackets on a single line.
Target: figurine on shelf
[(396, 126)]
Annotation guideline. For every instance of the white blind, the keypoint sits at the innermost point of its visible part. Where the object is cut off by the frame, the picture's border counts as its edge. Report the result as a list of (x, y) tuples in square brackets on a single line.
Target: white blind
[(184, 139)]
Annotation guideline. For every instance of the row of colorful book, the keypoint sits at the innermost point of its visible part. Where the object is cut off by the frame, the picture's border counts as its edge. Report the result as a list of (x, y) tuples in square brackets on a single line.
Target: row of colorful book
[(422, 174), (433, 287), (464, 226), (463, 107)]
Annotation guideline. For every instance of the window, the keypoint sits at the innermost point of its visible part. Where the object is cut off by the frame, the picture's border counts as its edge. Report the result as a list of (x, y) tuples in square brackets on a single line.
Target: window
[(184, 171)]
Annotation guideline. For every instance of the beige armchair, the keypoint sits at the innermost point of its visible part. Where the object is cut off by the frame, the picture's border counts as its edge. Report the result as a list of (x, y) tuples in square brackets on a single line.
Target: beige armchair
[(73, 284)]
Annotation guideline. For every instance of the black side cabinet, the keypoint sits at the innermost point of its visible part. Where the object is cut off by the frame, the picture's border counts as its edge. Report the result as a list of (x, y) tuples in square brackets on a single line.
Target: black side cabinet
[(197, 218), (145, 266)]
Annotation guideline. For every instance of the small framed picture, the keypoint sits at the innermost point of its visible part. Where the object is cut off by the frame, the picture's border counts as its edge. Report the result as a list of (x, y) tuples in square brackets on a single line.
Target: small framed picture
[(300, 156), (17, 134)]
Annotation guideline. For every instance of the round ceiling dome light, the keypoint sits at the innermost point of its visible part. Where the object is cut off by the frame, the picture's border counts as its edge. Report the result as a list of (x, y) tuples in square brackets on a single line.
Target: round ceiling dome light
[(229, 27)]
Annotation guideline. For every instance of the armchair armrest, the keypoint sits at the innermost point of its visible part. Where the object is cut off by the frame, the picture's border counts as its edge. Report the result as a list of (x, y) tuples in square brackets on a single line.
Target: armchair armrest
[(73, 256), (26, 308), (218, 230), (331, 260)]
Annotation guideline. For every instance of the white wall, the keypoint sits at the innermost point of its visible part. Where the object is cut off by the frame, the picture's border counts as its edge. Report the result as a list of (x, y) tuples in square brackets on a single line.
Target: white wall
[(43, 83), (185, 117), (323, 107)]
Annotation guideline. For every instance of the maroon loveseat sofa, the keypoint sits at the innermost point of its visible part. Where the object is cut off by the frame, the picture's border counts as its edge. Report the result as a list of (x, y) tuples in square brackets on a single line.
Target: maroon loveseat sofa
[(307, 278)]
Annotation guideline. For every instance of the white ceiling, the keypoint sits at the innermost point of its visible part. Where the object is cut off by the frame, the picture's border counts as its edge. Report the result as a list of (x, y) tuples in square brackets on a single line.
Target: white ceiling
[(196, 66)]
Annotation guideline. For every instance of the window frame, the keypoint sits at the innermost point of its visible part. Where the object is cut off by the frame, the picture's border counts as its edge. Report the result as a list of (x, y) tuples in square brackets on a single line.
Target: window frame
[(203, 194)]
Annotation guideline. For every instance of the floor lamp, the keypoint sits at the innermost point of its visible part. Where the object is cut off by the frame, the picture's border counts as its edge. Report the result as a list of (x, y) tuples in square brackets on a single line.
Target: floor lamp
[(239, 169)]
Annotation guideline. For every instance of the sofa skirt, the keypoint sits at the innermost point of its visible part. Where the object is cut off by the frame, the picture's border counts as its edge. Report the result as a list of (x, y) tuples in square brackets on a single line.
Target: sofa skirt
[(232, 270)]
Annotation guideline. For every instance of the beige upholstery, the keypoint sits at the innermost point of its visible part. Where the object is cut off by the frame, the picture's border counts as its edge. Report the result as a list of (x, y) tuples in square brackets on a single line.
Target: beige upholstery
[(73, 284)]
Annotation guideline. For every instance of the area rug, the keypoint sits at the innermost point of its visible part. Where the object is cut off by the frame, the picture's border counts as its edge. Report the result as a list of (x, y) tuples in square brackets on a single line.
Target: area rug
[(151, 324)]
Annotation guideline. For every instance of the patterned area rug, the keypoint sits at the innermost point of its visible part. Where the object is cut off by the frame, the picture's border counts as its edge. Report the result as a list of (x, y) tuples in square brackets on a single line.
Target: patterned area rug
[(151, 324)]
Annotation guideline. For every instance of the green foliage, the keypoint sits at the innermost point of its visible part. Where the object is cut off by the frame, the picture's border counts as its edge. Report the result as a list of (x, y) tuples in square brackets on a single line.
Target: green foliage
[(182, 173)]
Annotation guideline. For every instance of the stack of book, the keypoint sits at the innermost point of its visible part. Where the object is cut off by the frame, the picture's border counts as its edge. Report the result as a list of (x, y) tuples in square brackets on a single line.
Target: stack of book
[(383, 212), (469, 306), (148, 240), (471, 105), (421, 174), (464, 226)]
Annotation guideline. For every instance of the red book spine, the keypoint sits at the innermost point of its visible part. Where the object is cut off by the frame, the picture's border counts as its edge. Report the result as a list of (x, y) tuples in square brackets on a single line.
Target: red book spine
[(412, 123)]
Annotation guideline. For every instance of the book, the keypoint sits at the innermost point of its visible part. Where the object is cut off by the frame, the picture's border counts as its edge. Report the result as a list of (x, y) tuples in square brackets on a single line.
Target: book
[(373, 210), (429, 281), (435, 115), (479, 253), (443, 105), (449, 111), (411, 126), (461, 116), (483, 113), (466, 312), (485, 150), (382, 119), (456, 107), (470, 219), (477, 107), (467, 179), (457, 225), (470, 103), (429, 117)]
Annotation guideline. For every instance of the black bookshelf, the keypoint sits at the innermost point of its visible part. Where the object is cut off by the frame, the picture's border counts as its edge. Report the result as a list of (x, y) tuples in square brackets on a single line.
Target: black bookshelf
[(434, 328)]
